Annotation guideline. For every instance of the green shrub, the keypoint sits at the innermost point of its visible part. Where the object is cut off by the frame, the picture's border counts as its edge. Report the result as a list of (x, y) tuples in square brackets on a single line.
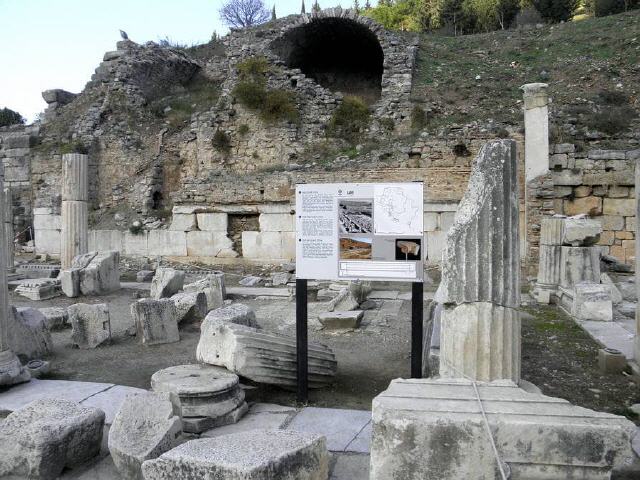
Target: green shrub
[(556, 10), (135, 228), (611, 119), (75, 146), (221, 141), (602, 8), (607, 97), (387, 123), (418, 118), (349, 119), (278, 105), (10, 117), (243, 129), (253, 68), (250, 94)]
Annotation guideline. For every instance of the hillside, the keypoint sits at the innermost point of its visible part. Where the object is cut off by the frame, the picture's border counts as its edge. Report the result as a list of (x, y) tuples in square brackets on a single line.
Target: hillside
[(593, 63)]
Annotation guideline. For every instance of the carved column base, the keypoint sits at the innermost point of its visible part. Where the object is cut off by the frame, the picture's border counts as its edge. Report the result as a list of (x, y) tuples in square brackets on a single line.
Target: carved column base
[(11, 370)]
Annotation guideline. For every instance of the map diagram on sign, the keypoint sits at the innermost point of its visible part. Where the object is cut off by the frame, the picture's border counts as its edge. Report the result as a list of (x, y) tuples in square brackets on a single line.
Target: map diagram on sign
[(397, 210)]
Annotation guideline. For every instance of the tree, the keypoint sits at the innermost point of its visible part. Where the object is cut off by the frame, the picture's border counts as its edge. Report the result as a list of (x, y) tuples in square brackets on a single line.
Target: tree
[(556, 10), (302, 10), (244, 13), (273, 12), (356, 6), (10, 117)]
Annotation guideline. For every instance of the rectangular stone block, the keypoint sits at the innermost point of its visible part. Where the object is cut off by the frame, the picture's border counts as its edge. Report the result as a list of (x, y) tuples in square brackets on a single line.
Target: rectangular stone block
[(183, 222), (207, 244), (551, 230), (592, 301), (277, 222), (264, 245), (435, 245), (136, 244), (567, 177), (619, 206), (435, 429), (47, 222), (166, 242), (212, 222), (588, 205), (430, 221), (579, 264), (612, 222), (446, 220), (104, 240), (48, 241)]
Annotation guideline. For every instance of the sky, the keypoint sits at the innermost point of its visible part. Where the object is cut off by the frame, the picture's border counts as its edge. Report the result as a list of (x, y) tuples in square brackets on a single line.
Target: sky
[(47, 44)]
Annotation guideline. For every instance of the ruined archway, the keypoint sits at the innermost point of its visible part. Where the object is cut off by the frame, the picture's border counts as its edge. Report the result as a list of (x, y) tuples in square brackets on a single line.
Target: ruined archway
[(340, 54)]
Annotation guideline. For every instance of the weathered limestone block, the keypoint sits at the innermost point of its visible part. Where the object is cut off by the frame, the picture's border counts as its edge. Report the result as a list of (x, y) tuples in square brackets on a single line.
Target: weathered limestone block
[(212, 222), (581, 232), (55, 317), (145, 275), (190, 306), (70, 282), (351, 297), (548, 273), (213, 287), (234, 313), (90, 324), (280, 278), (551, 230), (209, 244), (156, 321), (274, 455), (59, 96), (434, 429), (166, 282), (536, 120), (592, 301), (200, 390), (144, 428), (27, 334), (39, 289), (202, 424), (341, 320), (263, 357), (481, 260), (41, 439), (102, 275), (579, 264), (183, 222), (480, 341)]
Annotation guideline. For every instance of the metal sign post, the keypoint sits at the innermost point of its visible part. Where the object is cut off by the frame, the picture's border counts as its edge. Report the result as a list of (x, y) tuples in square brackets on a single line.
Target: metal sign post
[(302, 342)]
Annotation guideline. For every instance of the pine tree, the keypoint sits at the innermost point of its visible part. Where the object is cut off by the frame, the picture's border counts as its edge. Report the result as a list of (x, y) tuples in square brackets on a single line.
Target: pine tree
[(356, 6), (302, 10), (316, 7), (367, 5), (273, 12)]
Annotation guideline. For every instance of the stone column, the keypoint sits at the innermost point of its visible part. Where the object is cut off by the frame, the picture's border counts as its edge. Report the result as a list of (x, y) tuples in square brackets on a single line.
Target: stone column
[(480, 287), (8, 229), (75, 197), (11, 370), (637, 339), (536, 130)]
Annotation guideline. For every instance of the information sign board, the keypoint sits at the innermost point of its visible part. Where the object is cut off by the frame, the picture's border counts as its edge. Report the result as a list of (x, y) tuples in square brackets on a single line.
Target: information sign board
[(360, 231)]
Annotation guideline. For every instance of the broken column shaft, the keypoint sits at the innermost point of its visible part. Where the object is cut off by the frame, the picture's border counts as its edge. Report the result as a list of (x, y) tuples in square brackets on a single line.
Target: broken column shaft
[(11, 370), (536, 130), (8, 230), (75, 196)]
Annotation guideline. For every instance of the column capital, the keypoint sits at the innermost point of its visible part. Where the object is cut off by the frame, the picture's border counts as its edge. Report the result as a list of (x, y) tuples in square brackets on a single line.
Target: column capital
[(535, 95)]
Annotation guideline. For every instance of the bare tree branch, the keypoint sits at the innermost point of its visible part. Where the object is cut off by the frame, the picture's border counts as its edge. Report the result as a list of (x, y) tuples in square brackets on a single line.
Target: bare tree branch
[(244, 13)]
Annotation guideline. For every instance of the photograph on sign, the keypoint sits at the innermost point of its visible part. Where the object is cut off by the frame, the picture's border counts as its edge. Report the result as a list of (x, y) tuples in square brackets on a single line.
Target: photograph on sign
[(348, 231)]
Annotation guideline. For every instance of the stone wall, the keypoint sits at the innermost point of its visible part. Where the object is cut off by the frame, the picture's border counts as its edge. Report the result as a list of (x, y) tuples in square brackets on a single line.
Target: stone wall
[(595, 182)]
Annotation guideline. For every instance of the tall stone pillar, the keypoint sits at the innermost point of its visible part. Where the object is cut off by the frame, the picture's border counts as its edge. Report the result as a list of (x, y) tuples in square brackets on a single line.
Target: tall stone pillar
[(536, 130), (480, 287), (637, 339), (11, 370), (75, 197), (8, 230)]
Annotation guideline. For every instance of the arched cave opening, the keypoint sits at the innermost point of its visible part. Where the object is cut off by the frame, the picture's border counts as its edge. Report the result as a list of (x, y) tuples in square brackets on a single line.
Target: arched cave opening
[(338, 53)]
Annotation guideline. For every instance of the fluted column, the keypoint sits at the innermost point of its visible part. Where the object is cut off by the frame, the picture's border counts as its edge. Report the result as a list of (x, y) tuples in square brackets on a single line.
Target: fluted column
[(637, 339), (75, 196), (11, 370), (480, 287), (8, 230)]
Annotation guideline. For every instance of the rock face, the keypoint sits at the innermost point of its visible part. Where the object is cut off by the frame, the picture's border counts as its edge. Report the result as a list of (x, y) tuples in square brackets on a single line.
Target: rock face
[(166, 282), (480, 288), (592, 301), (190, 306), (274, 455), (213, 287), (411, 418), (41, 439), (263, 357), (27, 334), (144, 428), (90, 324), (234, 313), (205, 396), (156, 321)]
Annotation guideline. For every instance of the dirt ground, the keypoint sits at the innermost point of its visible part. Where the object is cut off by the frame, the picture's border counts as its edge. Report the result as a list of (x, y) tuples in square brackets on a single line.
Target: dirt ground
[(557, 355)]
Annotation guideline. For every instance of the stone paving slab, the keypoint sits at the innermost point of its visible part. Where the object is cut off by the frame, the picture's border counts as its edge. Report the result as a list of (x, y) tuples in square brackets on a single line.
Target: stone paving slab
[(340, 427), (109, 401), (346, 466), (362, 442), (259, 291), (611, 335), (20, 395), (144, 286)]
